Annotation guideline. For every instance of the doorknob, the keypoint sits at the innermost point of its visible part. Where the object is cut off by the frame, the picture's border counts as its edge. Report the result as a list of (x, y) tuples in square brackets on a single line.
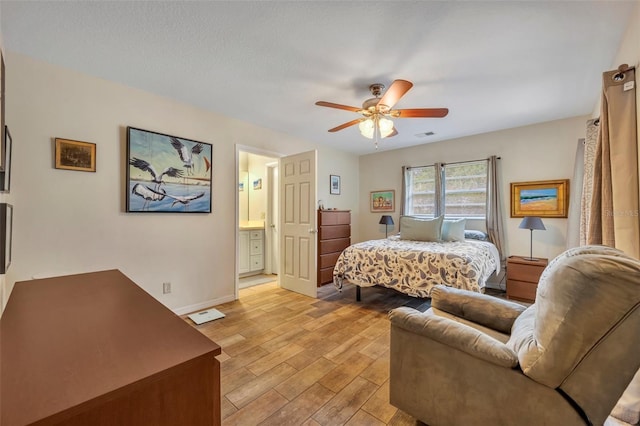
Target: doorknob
[(272, 225), (312, 231)]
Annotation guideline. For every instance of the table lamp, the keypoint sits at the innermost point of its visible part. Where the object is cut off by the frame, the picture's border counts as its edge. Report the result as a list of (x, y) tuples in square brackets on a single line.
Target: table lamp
[(531, 223), (386, 220)]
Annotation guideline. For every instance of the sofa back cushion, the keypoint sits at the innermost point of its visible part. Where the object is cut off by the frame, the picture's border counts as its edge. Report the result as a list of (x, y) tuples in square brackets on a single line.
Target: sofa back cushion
[(583, 294)]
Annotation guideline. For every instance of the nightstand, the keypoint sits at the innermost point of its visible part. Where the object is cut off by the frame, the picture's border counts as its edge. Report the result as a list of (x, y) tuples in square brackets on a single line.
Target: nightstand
[(523, 276)]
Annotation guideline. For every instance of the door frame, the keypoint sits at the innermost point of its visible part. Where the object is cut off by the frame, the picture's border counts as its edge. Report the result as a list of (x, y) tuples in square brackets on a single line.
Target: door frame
[(257, 151), (273, 188)]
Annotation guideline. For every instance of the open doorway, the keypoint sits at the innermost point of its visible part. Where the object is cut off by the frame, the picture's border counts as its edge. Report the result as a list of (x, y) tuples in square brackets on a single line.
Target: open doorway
[(257, 218)]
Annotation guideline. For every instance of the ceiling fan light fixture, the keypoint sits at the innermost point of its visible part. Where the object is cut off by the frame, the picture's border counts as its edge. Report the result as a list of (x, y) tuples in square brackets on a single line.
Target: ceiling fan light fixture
[(366, 128), (386, 127)]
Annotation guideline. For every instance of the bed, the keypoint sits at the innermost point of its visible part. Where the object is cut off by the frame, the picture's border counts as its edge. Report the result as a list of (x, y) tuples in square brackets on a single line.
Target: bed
[(415, 267)]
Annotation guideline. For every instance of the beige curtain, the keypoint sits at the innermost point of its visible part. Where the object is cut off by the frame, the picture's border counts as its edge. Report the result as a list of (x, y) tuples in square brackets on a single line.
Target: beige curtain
[(613, 217), (494, 211), (590, 144), (575, 212)]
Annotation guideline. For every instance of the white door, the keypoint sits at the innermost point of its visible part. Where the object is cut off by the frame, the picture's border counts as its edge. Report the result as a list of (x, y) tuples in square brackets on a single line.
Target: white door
[(298, 223)]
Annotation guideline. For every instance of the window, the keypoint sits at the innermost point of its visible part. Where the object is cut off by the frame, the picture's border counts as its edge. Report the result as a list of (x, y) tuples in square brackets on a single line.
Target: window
[(460, 190), (421, 193)]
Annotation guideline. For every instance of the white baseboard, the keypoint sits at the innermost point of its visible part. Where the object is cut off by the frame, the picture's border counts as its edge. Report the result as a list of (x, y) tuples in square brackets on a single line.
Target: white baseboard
[(206, 304)]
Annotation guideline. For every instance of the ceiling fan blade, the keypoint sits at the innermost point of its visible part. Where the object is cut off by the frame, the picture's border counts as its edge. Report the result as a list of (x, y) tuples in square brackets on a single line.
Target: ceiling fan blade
[(393, 94), (338, 106), (345, 125), (422, 112)]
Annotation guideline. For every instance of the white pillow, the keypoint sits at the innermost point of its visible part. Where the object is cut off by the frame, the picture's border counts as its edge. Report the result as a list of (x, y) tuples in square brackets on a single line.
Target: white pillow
[(453, 230), (419, 229)]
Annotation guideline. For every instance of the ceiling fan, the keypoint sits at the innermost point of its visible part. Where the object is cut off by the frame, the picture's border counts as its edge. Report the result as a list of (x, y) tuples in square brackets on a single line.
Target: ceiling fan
[(377, 111)]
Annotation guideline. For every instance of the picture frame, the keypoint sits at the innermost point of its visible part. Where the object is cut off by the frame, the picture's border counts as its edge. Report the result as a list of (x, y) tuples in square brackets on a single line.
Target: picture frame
[(75, 155), (3, 146), (5, 174), (334, 184), (167, 174), (257, 184), (545, 198), (383, 201), (6, 224), (240, 186)]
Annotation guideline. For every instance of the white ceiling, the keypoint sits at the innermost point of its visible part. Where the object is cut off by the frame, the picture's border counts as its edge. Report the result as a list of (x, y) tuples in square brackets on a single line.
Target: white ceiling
[(494, 64)]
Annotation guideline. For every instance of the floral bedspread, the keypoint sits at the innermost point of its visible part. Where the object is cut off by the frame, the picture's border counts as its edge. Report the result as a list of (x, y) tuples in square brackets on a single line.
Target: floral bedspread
[(414, 267)]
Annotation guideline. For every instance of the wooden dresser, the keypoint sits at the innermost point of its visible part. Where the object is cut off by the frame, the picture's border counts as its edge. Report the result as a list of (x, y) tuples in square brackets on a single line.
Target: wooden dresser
[(334, 235), (523, 276), (96, 349)]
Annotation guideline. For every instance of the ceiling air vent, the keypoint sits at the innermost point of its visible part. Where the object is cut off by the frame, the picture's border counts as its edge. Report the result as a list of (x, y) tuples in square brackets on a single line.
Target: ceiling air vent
[(425, 134)]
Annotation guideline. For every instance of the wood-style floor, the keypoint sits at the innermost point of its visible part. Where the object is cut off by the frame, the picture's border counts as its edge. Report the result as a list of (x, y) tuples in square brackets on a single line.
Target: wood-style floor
[(288, 359)]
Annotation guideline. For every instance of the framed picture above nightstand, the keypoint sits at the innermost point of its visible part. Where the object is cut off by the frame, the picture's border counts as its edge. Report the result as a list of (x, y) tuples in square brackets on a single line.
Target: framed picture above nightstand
[(522, 277)]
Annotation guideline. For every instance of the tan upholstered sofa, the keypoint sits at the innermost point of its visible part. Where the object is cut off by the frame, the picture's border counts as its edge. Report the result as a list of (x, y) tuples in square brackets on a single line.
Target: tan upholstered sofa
[(473, 359)]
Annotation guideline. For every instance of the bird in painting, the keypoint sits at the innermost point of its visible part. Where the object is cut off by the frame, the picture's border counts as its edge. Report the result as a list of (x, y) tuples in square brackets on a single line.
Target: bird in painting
[(182, 199), (147, 194), (156, 178), (185, 154)]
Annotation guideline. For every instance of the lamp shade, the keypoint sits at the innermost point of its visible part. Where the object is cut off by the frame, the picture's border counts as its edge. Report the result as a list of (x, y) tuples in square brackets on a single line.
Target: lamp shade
[(532, 223), (386, 220)]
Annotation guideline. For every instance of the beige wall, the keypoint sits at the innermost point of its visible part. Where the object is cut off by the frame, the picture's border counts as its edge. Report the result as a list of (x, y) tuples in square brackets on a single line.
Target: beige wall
[(69, 222), (537, 152)]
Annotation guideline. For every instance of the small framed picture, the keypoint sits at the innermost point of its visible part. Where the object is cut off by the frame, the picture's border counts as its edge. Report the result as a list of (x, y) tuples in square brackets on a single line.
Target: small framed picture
[(334, 184), (6, 222), (257, 184), (75, 155), (5, 172), (383, 201)]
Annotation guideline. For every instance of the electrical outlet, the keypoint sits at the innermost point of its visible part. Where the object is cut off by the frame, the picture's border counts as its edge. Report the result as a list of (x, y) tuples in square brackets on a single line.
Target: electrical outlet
[(166, 288)]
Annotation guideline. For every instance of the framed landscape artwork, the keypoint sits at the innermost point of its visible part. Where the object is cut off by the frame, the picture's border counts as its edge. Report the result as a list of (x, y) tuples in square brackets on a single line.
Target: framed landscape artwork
[(546, 198), (167, 174), (75, 155), (383, 201)]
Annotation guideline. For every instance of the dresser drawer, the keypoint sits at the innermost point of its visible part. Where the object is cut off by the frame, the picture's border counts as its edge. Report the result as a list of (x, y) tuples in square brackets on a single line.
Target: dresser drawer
[(334, 217), (328, 260), (257, 262), (325, 276), (335, 231), (522, 272), (521, 290), (255, 247), (256, 235), (331, 246)]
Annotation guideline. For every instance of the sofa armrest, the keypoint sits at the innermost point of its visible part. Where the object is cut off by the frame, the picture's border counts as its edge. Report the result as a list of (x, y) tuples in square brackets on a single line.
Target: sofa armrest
[(489, 311), (455, 335)]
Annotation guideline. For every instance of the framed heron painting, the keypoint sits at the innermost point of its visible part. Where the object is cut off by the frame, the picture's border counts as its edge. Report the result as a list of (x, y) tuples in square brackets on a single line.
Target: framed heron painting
[(167, 174)]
